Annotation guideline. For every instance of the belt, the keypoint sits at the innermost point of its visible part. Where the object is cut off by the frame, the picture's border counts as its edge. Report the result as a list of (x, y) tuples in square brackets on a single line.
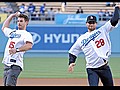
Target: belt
[(12, 67), (106, 64), (103, 66)]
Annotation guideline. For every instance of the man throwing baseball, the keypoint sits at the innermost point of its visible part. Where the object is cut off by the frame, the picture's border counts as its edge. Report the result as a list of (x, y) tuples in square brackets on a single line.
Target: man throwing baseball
[(19, 41), (96, 46)]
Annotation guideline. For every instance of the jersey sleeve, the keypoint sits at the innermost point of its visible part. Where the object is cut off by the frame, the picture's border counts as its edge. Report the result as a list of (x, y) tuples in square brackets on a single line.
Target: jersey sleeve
[(108, 27), (7, 31), (28, 37), (75, 49)]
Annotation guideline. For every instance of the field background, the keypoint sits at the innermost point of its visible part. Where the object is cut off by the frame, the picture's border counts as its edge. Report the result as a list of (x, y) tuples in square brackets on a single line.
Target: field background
[(57, 67)]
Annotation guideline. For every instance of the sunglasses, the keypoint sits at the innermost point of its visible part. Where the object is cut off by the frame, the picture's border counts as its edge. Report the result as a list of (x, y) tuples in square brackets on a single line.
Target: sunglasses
[(91, 22)]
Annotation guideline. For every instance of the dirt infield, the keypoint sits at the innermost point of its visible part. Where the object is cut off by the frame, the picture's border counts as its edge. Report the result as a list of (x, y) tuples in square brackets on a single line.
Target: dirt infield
[(55, 82)]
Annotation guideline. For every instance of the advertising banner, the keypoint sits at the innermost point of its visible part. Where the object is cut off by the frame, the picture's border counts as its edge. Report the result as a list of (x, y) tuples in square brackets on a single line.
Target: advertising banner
[(72, 19), (58, 38), (54, 38)]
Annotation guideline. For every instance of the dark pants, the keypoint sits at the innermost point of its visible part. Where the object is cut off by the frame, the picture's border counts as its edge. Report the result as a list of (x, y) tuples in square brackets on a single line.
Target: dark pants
[(11, 74), (104, 73)]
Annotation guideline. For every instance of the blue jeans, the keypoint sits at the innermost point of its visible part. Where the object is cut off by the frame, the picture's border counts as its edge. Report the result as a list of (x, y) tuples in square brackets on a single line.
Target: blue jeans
[(103, 72)]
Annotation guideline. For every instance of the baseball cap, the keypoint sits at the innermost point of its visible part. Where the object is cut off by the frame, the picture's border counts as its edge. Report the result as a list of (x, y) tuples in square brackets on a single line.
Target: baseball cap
[(91, 18)]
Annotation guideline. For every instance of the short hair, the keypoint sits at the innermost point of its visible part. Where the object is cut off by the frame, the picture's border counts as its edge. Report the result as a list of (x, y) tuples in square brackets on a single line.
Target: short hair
[(25, 16)]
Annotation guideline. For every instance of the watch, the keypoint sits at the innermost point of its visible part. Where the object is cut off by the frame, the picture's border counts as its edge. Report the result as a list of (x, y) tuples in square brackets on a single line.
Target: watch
[(17, 50)]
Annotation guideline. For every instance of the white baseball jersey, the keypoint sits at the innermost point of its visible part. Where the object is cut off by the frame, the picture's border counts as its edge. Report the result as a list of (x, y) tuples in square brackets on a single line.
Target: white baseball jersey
[(17, 38), (95, 45)]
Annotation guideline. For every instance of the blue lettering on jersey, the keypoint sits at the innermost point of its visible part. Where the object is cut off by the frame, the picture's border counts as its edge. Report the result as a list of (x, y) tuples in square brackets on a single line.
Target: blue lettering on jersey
[(14, 35), (91, 37)]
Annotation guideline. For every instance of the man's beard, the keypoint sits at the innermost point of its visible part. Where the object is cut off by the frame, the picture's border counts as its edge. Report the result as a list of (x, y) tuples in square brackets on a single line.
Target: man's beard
[(91, 29), (20, 28)]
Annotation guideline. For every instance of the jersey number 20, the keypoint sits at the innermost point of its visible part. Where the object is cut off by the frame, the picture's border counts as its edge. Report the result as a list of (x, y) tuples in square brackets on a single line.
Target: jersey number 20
[(99, 43)]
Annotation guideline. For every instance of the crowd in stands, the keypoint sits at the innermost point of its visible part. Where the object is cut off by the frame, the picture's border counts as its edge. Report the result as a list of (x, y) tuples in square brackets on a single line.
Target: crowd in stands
[(108, 4), (42, 14), (104, 15), (49, 14), (79, 10), (11, 7)]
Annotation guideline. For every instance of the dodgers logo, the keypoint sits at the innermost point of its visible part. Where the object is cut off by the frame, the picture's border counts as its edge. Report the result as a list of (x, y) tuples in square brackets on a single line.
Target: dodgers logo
[(91, 37)]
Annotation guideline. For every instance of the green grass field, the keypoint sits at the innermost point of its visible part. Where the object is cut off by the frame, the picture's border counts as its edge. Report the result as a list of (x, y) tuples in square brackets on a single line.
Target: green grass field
[(57, 67)]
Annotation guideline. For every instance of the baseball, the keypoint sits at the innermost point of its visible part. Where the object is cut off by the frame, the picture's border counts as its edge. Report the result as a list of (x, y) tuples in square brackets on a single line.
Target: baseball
[(18, 13)]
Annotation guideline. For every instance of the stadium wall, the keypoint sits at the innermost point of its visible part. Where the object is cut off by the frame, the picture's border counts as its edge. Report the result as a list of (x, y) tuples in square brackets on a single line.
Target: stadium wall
[(58, 38)]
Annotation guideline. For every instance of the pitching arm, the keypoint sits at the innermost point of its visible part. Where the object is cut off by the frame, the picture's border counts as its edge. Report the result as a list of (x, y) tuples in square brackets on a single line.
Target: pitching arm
[(8, 20)]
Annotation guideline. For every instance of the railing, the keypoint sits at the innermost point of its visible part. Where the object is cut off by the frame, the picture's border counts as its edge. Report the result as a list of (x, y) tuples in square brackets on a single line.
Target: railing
[(40, 17), (52, 18)]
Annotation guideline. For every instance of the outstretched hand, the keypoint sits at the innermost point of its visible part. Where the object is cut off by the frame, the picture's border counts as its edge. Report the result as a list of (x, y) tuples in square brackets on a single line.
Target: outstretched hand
[(12, 51), (15, 14), (71, 67), (7, 21)]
